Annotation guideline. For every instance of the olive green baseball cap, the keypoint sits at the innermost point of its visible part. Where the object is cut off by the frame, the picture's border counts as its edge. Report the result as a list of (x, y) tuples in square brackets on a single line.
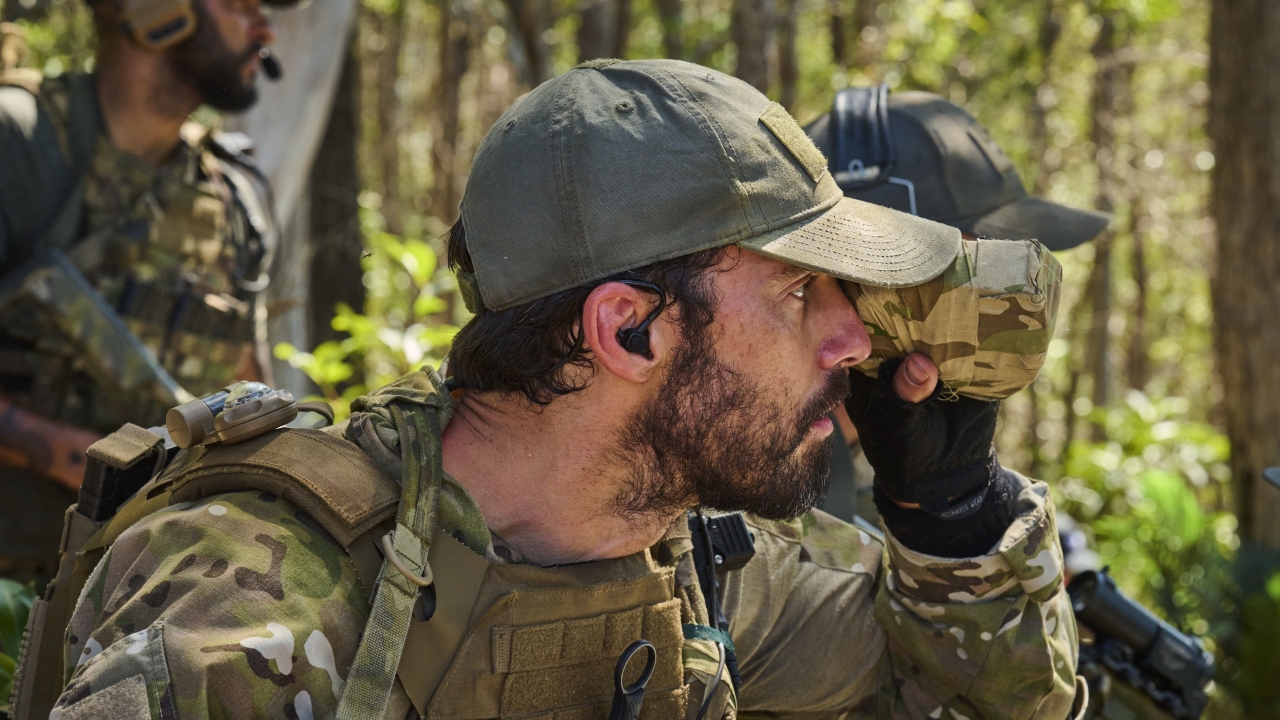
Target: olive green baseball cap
[(616, 165)]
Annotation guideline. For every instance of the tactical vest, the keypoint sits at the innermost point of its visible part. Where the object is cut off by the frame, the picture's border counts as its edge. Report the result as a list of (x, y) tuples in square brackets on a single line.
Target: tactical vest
[(503, 640), (179, 253)]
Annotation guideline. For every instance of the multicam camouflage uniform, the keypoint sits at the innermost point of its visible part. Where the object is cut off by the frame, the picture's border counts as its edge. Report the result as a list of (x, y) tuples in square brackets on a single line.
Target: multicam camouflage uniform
[(240, 605), (178, 252), (986, 322)]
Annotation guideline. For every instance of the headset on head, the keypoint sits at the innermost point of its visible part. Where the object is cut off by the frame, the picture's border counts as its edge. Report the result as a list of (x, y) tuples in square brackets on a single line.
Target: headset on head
[(862, 150), (158, 24)]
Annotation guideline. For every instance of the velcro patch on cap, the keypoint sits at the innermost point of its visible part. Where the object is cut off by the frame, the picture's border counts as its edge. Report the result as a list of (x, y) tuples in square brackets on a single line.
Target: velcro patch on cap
[(598, 63), (787, 130)]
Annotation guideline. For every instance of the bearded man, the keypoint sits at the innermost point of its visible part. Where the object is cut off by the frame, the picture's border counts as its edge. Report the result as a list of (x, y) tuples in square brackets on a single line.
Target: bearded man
[(171, 229), (654, 253)]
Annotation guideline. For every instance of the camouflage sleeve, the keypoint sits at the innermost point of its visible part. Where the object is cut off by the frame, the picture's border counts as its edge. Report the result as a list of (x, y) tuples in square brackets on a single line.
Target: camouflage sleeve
[(238, 605), (992, 636), (824, 628)]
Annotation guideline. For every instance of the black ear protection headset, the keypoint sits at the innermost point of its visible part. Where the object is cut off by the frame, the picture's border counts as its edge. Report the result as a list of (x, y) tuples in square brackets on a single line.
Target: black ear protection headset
[(636, 339), (862, 150)]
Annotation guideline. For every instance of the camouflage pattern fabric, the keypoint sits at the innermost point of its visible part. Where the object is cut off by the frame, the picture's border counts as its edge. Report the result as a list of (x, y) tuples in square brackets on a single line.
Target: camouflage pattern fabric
[(986, 322), (900, 634), (239, 605), (177, 252)]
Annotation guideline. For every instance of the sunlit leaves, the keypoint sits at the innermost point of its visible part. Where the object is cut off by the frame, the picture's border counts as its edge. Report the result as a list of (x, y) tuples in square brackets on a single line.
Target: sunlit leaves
[(403, 327)]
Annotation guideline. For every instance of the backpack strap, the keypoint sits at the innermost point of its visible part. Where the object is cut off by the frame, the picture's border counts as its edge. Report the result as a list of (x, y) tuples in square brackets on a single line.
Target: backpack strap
[(72, 104)]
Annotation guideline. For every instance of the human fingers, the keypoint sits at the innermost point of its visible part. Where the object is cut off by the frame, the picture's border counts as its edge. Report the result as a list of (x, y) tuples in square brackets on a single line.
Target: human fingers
[(916, 378)]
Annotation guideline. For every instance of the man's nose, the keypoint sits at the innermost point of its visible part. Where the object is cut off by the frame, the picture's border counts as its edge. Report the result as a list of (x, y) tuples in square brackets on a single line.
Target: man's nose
[(846, 341)]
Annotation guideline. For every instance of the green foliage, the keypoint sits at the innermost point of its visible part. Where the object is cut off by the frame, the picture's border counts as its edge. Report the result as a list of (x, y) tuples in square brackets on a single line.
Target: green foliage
[(400, 330), (61, 39), (1154, 498), (1258, 657), (15, 604)]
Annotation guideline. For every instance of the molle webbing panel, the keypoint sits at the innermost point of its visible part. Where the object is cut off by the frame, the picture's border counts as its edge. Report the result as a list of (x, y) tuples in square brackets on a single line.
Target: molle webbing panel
[(549, 649), (538, 647), (571, 663)]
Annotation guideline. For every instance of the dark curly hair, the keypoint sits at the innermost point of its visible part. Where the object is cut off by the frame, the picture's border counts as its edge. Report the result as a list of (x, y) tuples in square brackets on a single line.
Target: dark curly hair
[(528, 348)]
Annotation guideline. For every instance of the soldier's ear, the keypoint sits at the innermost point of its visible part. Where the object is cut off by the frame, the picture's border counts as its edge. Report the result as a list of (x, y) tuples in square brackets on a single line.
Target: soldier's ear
[(622, 332)]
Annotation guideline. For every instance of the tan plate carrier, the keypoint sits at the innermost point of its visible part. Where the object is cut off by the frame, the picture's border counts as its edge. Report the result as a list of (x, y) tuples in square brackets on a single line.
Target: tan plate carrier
[(506, 640)]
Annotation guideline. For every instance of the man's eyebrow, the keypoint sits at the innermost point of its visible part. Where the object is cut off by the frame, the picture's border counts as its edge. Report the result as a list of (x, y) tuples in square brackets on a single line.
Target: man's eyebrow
[(789, 272)]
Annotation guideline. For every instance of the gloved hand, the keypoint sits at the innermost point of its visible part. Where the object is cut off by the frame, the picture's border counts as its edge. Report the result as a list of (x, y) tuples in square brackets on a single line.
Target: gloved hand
[(931, 453)]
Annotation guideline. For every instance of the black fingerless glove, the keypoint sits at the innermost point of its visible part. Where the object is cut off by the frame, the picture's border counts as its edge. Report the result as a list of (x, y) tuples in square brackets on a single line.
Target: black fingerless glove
[(936, 453)]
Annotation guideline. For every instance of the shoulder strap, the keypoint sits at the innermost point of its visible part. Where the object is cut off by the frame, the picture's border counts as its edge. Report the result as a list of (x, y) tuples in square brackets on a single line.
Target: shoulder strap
[(72, 104)]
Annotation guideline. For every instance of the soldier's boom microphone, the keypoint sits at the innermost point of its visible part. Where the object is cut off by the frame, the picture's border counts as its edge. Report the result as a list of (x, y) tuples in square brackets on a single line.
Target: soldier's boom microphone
[(270, 65)]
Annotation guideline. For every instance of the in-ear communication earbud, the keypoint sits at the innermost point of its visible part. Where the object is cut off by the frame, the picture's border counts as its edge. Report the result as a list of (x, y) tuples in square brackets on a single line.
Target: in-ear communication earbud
[(636, 340)]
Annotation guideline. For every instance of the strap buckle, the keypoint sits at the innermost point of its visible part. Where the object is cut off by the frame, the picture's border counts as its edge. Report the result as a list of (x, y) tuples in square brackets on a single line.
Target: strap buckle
[(389, 551)]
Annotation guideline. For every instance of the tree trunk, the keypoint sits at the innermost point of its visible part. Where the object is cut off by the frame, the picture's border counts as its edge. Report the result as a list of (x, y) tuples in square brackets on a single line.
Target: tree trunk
[(864, 27), (1045, 97), (1244, 123), (336, 275), (750, 27), (839, 45), (455, 48), (604, 28), (392, 28), (530, 20), (671, 12), (1109, 103), (788, 62), (1139, 370)]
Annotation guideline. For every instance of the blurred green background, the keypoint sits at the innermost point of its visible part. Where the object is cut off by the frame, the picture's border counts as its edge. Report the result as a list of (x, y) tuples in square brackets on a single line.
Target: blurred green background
[(1101, 103)]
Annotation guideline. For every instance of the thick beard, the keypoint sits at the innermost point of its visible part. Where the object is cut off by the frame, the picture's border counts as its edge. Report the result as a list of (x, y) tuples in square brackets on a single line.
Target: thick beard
[(713, 437), (212, 69)]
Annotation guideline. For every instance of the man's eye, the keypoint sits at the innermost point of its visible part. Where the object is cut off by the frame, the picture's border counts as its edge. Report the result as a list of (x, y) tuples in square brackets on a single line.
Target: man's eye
[(800, 292)]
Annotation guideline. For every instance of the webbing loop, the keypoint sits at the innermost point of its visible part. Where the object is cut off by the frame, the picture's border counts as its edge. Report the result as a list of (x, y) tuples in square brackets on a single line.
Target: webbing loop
[(418, 423), (393, 557)]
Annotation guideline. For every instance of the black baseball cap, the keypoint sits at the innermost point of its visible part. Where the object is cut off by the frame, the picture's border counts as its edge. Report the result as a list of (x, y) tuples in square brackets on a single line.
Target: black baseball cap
[(960, 177)]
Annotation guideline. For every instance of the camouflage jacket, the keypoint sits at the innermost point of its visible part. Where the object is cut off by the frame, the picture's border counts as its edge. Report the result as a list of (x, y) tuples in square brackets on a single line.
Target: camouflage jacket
[(239, 605), (178, 251)]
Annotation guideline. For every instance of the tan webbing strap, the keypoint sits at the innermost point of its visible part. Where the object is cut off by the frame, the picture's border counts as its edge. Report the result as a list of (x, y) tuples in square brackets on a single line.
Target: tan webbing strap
[(431, 646), (123, 448), (419, 425)]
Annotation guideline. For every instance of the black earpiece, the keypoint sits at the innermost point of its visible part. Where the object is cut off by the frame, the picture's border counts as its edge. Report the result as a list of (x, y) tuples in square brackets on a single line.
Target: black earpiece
[(636, 340)]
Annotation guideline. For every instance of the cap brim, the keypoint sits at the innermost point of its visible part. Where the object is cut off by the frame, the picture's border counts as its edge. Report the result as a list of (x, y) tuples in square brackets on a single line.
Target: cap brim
[(865, 243), (1056, 226)]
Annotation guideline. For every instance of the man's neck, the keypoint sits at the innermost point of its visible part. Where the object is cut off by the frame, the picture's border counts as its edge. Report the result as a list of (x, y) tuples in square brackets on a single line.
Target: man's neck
[(545, 478), (143, 103)]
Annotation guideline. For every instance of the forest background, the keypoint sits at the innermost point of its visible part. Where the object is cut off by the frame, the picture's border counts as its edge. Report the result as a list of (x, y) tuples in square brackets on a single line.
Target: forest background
[(1101, 103)]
